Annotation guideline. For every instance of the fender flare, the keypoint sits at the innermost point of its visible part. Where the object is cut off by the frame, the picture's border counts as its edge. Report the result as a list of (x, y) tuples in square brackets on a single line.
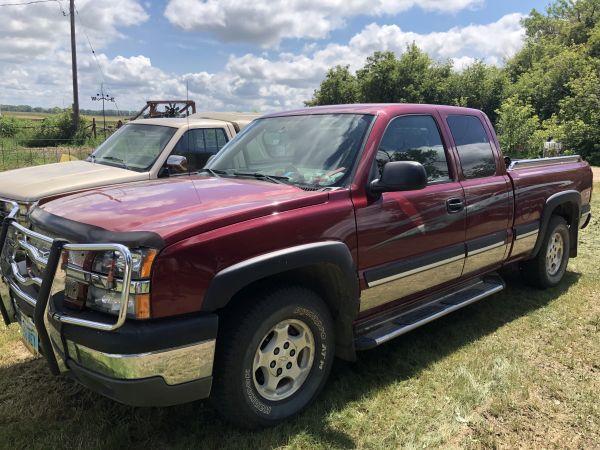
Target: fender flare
[(335, 256), (233, 279), (570, 197)]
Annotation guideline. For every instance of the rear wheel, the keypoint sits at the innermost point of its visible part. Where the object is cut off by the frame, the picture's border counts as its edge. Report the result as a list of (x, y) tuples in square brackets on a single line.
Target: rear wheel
[(273, 357), (549, 266)]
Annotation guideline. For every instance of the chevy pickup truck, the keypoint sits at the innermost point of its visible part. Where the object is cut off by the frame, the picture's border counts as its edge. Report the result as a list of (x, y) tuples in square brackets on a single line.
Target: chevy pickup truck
[(314, 233), (144, 149)]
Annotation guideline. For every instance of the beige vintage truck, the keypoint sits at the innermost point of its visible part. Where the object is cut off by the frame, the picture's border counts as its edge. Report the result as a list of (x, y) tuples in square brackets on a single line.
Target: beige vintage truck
[(143, 149)]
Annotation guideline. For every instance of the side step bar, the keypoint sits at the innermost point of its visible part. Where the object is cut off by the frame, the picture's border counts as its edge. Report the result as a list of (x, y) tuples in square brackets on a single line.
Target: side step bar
[(376, 332)]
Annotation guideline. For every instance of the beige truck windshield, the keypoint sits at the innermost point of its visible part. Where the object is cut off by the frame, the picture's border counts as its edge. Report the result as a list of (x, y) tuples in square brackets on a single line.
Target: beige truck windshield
[(134, 146)]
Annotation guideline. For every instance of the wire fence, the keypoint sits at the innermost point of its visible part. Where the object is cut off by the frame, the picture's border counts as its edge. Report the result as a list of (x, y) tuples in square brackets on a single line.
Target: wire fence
[(15, 154)]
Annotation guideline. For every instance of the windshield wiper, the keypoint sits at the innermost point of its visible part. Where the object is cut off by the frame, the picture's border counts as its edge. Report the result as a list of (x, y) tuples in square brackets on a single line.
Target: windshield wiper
[(115, 159), (263, 176), (214, 172)]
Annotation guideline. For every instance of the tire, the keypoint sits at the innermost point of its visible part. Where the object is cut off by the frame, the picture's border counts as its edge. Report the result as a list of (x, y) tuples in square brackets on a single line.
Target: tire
[(538, 271), (241, 392)]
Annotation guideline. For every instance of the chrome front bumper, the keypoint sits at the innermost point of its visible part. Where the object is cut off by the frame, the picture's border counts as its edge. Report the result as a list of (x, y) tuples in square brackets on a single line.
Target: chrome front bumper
[(175, 366)]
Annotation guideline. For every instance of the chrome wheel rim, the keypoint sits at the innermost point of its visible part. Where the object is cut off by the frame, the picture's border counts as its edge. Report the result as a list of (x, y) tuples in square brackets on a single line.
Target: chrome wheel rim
[(554, 253), (283, 360)]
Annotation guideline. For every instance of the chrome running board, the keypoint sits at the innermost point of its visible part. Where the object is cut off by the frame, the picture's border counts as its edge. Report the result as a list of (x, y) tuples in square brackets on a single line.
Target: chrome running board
[(377, 331)]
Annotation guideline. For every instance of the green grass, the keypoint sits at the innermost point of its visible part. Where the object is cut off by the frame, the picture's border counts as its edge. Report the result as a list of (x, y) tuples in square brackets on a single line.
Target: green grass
[(519, 369), (13, 155), (39, 116)]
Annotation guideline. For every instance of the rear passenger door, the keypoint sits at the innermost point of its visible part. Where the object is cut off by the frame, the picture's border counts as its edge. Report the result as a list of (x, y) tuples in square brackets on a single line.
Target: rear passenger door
[(411, 241), (487, 192), (199, 144)]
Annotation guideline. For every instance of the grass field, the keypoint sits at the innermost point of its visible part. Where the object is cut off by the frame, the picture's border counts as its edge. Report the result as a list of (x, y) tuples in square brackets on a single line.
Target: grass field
[(40, 116), (519, 369)]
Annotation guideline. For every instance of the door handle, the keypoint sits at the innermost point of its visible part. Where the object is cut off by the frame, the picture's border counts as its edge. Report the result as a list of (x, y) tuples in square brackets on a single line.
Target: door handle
[(454, 205)]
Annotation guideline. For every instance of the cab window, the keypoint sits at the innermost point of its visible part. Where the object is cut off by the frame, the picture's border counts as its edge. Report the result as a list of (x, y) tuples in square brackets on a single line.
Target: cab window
[(414, 138), (197, 145), (474, 148)]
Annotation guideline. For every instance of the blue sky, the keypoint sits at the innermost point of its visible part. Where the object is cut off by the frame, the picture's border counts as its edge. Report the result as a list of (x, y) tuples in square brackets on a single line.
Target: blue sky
[(235, 54), (176, 50)]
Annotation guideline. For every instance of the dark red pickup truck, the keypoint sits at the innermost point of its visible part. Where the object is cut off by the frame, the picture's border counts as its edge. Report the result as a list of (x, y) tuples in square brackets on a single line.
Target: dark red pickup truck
[(314, 233)]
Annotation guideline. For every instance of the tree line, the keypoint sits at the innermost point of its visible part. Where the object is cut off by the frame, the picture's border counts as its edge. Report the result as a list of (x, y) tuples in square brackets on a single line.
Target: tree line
[(549, 90)]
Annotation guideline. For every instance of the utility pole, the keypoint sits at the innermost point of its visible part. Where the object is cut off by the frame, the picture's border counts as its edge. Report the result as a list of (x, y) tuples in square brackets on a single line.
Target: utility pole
[(74, 67)]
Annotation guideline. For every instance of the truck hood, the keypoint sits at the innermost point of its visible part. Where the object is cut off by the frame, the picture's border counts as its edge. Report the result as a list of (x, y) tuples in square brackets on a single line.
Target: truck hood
[(175, 208), (30, 184)]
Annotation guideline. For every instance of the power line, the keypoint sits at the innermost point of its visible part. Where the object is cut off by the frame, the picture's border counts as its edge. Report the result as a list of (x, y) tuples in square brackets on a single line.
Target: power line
[(33, 2)]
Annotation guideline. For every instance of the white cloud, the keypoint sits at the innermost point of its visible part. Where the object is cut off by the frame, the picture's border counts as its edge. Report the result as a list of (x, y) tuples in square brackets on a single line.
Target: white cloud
[(491, 42), (267, 22), (41, 29), (259, 82), (35, 46)]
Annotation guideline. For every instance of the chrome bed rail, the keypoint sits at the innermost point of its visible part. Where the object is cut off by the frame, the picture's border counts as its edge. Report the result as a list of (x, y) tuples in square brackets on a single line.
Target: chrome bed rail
[(540, 162)]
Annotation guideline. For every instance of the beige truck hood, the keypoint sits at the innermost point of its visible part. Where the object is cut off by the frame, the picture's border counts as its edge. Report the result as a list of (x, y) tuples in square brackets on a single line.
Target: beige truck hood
[(33, 183)]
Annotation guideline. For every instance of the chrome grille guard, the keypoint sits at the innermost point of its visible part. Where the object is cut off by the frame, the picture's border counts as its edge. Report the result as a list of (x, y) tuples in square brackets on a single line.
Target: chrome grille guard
[(49, 263)]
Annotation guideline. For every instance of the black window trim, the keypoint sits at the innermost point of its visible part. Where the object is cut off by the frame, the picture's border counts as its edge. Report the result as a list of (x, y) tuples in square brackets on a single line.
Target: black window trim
[(453, 177), (491, 143)]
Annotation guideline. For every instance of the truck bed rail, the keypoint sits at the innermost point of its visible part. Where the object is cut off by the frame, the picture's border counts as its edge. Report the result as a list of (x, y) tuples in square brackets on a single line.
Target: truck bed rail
[(540, 162)]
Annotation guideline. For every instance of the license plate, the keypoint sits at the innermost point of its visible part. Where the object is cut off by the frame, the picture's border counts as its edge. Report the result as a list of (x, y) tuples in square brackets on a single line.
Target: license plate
[(29, 334)]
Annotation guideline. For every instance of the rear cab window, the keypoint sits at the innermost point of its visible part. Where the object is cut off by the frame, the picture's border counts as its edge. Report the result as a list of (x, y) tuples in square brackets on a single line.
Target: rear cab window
[(473, 145)]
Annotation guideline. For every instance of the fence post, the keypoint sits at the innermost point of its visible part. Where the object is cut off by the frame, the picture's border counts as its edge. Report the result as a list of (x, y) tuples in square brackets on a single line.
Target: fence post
[(94, 126)]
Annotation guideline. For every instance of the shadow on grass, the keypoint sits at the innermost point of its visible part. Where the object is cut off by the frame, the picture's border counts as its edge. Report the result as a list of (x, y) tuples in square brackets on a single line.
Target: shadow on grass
[(57, 412)]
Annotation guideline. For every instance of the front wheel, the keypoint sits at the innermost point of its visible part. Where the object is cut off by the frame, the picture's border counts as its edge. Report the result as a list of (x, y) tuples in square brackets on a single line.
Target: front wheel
[(273, 357), (549, 266)]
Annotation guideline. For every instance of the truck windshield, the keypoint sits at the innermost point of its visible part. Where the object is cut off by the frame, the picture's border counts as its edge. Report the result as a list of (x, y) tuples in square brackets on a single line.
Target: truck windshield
[(316, 150), (134, 146)]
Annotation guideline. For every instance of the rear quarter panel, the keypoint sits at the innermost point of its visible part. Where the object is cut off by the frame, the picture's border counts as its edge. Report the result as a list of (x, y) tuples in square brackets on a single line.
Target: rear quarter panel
[(534, 185)]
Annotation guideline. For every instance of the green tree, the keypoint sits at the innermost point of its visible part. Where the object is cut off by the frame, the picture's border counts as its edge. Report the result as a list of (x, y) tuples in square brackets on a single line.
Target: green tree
[(517, 124), (338, 87), (580, 115), (377, 79), (480, 86)]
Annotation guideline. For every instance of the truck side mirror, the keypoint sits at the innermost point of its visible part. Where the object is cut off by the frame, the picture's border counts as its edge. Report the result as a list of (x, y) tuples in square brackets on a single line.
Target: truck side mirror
[(400, 176), (175, 164)]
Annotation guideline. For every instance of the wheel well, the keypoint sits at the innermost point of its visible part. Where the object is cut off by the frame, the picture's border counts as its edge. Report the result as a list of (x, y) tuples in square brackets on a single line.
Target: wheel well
[(566, 211), (570, 212), (327, 281)]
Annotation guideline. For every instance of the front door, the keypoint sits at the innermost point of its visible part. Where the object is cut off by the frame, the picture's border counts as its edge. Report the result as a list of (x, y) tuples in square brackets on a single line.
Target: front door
[(410, 242)]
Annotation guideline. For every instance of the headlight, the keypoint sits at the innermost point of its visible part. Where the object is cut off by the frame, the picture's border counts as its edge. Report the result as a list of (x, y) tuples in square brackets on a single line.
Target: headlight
[(95, 279)]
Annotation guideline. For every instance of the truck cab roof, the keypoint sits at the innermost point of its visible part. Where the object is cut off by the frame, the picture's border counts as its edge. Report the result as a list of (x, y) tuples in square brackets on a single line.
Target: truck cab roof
[(204, 119), (376, 109)]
